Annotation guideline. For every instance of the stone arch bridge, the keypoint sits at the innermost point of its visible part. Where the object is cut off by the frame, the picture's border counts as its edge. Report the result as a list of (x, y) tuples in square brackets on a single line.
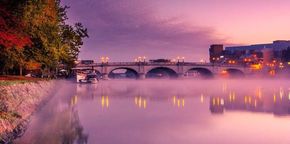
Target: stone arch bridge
[(144, 70)]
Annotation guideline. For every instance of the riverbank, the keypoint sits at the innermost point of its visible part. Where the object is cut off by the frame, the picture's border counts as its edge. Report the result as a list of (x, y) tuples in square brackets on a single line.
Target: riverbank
[(18, 101)]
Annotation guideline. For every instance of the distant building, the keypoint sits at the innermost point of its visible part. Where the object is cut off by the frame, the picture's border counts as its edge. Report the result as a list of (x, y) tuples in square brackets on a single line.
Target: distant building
[(256, 53), (275, 50), (216, 53)]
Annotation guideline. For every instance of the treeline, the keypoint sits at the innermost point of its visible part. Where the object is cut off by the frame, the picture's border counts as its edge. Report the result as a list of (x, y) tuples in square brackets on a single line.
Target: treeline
[(34, 35)]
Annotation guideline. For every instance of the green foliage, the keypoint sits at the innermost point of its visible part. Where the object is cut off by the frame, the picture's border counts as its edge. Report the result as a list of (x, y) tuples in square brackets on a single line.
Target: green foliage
[(52, 40)]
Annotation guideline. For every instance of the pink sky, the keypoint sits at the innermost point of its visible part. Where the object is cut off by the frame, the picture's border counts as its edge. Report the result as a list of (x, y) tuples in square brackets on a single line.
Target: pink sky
[(125, 29), (239, 21)]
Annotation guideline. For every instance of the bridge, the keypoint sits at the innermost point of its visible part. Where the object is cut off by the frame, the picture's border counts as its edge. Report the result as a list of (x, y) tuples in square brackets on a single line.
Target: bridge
[(142, 70)]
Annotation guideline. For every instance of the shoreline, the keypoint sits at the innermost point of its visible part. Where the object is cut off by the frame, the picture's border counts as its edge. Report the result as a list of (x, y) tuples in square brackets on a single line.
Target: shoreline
[(19, 102)]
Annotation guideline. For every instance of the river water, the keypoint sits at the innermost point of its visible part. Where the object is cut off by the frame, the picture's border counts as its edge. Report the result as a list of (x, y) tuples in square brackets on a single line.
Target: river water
[(164, 112)]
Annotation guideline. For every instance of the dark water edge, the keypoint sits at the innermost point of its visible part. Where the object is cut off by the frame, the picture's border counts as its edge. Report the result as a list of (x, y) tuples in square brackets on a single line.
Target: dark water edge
[(55, 122), (10, 137)]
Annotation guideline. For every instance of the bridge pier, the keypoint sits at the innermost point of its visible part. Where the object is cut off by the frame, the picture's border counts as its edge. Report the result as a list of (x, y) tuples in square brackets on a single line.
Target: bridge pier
[(105, 76), (142, 76)]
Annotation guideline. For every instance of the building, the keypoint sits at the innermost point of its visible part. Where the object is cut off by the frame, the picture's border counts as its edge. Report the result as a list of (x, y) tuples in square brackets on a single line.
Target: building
[(216, 53), (275, 50)]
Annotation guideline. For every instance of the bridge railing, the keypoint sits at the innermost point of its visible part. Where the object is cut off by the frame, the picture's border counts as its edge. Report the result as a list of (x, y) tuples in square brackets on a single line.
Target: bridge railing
[(158, 63)]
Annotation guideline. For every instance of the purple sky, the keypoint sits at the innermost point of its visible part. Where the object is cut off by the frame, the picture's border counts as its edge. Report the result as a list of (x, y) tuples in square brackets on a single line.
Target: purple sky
[(125, 29)]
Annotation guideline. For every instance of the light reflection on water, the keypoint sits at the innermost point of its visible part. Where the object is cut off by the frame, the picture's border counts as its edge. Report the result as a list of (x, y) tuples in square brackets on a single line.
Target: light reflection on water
[(183, 111)]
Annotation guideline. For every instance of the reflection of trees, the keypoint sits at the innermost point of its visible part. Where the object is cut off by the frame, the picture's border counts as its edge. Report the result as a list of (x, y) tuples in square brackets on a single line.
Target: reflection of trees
[(72, 131), (57, 124), (64, 128)]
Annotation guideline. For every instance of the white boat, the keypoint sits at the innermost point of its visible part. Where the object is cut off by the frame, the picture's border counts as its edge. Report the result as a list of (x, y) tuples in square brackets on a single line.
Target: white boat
[(87, 78)]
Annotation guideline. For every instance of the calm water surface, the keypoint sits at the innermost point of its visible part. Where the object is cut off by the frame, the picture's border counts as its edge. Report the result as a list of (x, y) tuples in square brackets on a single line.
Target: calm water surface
[(165, 112)]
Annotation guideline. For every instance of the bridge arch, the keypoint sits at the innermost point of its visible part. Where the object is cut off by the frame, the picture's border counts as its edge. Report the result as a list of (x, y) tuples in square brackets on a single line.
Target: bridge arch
[(233, 73), (123, 73), (161, 72), (199, 72)]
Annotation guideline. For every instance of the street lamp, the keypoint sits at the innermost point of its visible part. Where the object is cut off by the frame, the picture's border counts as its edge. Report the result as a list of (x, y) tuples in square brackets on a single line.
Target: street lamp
[(104, 59), (140, 59), (180, 59)]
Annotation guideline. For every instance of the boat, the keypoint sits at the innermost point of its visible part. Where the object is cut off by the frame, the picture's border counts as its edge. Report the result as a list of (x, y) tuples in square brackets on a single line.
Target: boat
[(87, 78)]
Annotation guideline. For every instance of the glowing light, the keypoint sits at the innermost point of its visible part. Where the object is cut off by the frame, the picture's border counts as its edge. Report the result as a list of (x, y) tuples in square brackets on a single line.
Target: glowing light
[(224, 72), (74, 100), (246, 100), (136, 100), (141, 102), (274, 98), (250, 100), (105, 101), (256, 66), (281, 93), (259, 92), (144, 104), (202, 98), (174, 100), (272, 72), (222, 102), (183, 102)]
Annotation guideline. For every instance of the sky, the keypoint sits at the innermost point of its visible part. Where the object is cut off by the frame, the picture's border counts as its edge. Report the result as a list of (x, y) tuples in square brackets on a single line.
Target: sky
[(126, 29)]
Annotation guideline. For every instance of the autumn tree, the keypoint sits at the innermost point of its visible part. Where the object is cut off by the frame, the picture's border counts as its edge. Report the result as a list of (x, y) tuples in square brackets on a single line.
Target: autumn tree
[(12, 39), (42, 35)]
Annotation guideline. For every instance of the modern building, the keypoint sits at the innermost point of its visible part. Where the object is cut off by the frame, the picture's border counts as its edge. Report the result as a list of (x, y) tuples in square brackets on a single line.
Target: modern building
[(276, 49)]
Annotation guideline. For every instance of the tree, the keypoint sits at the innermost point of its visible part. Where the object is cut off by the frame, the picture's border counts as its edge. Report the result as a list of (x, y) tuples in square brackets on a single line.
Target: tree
[(36, 31), (12, 39)]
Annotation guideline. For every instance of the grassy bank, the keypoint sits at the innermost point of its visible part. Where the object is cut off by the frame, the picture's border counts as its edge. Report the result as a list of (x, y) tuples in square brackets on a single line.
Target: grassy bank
[(11, 80)]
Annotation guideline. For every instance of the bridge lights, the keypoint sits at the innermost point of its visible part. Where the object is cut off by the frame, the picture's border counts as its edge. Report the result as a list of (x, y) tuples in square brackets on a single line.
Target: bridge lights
[(180, 59), (173, 60), (105, 59), (140, 59), (232, 62)]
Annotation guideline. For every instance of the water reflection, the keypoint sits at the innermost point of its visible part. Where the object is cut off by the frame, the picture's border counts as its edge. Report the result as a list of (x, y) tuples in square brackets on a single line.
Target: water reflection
[(178, 102), (57, 122), (228, 98), (276, 101), (167, 112)]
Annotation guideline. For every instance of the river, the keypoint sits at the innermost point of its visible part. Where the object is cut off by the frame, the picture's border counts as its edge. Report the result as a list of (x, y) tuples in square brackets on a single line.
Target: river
[(164, 112)]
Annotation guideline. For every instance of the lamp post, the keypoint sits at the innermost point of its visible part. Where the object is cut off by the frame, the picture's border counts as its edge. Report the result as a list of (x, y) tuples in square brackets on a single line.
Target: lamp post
[(105, 59), (183, 59), (140, 59), (180, 59)]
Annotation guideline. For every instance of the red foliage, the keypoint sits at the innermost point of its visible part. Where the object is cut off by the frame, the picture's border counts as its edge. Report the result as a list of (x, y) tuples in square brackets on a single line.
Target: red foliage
[(11, 31)]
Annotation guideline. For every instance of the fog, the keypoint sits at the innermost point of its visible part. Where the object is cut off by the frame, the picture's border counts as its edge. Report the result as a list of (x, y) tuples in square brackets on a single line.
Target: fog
[(167, 111)]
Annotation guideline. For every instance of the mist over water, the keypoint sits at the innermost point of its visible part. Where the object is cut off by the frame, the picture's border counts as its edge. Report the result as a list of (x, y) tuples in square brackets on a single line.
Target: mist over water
[(222, 111)]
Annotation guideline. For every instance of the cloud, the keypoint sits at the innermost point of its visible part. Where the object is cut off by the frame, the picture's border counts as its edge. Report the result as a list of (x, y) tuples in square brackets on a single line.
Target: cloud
[(127, 28)]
